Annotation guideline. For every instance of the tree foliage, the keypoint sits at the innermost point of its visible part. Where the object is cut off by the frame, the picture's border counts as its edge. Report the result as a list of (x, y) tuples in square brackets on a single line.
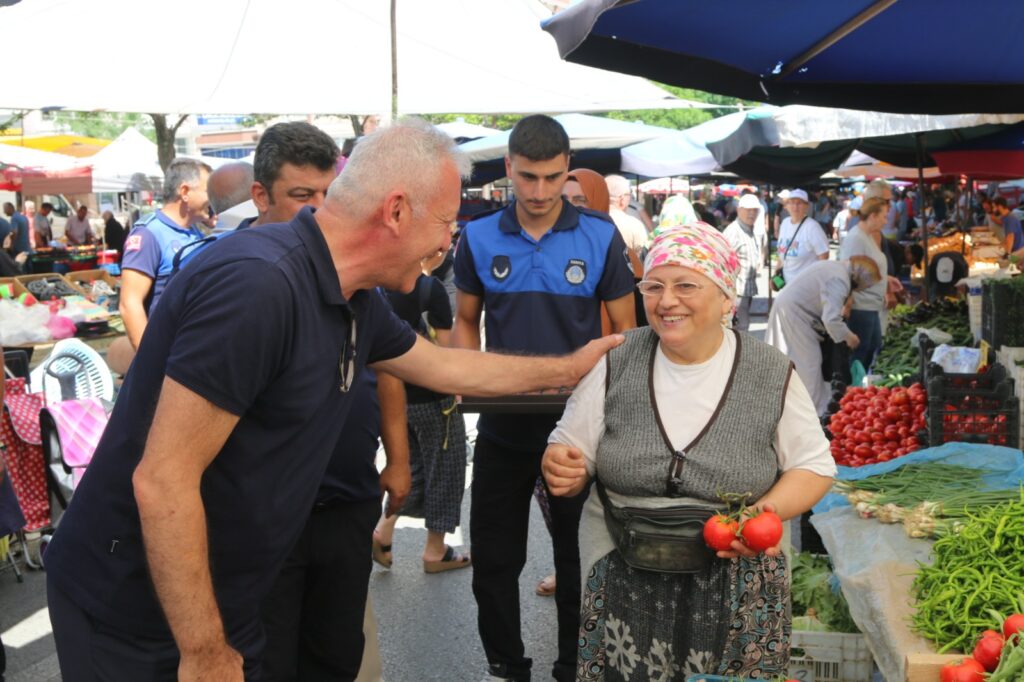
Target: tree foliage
[(104, 125)]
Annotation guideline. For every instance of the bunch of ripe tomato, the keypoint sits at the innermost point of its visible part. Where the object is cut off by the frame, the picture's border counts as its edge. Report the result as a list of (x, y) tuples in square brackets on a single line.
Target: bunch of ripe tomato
[(876, 424)]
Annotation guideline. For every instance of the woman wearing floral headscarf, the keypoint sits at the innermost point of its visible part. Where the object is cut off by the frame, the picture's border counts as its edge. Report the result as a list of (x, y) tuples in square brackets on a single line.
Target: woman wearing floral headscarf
[(684, 411)]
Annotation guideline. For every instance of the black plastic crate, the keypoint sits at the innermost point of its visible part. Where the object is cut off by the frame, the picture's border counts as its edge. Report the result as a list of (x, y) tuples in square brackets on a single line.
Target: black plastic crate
[(962, 415), (926, 347), (1002, 313), (939, 382)]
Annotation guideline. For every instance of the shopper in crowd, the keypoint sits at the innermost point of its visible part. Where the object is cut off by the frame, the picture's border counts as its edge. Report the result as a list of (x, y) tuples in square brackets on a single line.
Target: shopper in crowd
[(814, 304), (802, 240), (113, 233), (840, 222), (436, 435), (253, 354), (632, 230), (585, 188), (11, 265), (1013, 241), (20, 229), (42, 228), (869, 305), (726, 414), (229, 186), (741, 237), (541, 268), (148, 260)]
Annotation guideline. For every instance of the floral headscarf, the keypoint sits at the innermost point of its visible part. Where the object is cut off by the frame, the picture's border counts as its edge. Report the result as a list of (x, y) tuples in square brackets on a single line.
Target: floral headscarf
[(700, 247)]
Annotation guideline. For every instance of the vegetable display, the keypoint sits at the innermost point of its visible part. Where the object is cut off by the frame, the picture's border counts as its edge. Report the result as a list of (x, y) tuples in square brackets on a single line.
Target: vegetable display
[(816, 592), (898, 360), (976, 574), (930, 499), (876, 424)]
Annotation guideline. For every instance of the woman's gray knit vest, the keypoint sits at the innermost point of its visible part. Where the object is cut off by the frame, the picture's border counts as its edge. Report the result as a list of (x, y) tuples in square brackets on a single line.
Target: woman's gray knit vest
[(734, 453)]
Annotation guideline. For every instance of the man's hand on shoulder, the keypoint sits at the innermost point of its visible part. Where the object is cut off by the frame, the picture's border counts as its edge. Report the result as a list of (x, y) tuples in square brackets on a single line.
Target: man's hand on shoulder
[(584, 359)]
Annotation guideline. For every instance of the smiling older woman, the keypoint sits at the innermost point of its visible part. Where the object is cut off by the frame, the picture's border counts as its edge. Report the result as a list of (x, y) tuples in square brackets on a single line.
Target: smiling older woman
[(682, 412)]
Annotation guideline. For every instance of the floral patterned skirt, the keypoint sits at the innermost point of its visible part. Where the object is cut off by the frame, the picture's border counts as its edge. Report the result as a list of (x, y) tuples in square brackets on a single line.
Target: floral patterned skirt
[(733, 618)]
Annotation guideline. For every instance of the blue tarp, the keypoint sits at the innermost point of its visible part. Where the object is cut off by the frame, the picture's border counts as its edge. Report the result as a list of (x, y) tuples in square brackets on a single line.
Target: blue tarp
[(1004, 467)]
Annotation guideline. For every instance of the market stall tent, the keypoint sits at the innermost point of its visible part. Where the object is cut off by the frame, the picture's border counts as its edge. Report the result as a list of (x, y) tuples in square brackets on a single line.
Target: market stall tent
[(999, 156), (910, 56), (469, 56)]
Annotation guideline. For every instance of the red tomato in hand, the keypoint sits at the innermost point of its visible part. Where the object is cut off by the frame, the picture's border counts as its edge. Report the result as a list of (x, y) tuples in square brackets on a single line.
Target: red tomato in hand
[(968, 670), (720, 531), (762, 531)]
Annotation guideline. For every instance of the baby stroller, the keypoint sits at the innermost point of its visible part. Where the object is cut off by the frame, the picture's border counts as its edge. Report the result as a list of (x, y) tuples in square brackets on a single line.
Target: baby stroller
[(78, 389)]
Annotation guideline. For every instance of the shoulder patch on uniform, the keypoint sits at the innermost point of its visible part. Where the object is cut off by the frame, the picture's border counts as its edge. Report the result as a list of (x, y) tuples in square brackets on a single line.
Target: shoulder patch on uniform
[(133, 243), (576, 271), (501, 267), (595, 214)]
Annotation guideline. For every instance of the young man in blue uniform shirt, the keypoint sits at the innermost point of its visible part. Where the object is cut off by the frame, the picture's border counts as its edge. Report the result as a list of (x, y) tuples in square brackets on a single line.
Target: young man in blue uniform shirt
[(220, 437), (149, 250), (541, 268)]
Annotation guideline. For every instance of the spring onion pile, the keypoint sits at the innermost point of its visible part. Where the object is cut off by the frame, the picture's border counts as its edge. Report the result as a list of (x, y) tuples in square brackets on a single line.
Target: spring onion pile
[(930, 499), (976, 574)]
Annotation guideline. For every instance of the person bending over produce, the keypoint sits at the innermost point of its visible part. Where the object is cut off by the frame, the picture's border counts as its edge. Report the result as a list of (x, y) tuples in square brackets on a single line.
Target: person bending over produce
[(685, 411), (806, 309)]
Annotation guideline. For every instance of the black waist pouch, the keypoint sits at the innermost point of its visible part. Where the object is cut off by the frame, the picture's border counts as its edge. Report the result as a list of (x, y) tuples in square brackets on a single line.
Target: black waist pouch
[(666, 540)]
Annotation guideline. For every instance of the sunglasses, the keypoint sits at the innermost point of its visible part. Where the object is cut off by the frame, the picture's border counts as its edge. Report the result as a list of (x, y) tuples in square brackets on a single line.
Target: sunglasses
[(347, 361)]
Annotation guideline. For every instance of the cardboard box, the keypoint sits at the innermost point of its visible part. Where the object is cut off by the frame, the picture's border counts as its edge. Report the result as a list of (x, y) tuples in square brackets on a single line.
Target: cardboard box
[(83, 279), (15, 285), (25, 279), (925, 667)]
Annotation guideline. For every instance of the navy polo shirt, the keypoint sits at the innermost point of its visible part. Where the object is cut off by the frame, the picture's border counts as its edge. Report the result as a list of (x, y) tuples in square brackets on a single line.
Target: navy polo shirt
[(352, 475), (540, 297), (255, 324)]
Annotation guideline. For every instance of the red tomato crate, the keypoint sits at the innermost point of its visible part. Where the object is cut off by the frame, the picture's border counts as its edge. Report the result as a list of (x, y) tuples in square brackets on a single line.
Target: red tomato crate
[(973, 408)]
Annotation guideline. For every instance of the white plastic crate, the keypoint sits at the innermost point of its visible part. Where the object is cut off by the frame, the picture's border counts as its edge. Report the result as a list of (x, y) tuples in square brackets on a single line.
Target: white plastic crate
[(831, 657)]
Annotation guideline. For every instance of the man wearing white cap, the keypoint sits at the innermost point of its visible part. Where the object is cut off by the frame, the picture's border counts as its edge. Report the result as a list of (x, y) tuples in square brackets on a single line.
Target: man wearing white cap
[(745, 242), (802, 240)]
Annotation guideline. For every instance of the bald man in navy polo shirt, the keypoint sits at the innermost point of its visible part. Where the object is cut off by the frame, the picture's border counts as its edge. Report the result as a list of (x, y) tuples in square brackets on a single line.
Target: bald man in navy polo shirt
[(541, 267), (225, 424)]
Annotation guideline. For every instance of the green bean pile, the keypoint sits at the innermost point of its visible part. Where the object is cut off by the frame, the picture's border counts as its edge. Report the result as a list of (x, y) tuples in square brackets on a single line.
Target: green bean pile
[(975, 571)]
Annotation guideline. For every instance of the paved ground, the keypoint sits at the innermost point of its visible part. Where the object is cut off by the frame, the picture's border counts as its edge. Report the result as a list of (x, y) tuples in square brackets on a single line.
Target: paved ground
[(427, 623)]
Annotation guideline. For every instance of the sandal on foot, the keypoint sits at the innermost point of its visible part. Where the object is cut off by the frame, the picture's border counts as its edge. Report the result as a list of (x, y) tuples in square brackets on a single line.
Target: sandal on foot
[(381, 553), (546, 587), (451, 561)]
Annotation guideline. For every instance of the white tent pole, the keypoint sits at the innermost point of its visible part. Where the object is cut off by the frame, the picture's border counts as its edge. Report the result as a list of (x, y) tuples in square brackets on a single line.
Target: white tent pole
[(394, 61)]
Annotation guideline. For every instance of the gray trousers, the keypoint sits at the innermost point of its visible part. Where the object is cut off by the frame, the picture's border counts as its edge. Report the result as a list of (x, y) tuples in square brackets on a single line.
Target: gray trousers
[(741, 319)]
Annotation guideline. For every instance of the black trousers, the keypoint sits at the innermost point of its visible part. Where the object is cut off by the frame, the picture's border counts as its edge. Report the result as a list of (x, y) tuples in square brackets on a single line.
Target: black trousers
[(313, 616), (91, 651), (503, 483)]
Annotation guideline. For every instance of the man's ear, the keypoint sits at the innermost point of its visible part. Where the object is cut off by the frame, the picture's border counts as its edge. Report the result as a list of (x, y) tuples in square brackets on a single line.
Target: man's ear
[(396, 211), (260, 197)]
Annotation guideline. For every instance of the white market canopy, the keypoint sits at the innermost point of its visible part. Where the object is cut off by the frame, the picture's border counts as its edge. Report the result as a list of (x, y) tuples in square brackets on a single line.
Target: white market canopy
[(129, 163), (35, 159), (584, 131), (308, 57)]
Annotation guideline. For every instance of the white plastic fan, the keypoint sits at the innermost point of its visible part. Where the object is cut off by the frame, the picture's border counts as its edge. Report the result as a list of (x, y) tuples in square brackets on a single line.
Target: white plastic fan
[(73, 370)]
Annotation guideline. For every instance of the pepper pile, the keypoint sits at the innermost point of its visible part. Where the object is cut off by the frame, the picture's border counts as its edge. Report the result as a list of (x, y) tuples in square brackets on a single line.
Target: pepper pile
[(876, 424), (976, 575), (898, 360)]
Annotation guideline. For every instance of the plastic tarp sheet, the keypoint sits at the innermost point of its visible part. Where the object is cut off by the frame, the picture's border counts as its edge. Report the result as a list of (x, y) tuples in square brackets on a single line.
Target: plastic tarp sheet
[(876, 562)]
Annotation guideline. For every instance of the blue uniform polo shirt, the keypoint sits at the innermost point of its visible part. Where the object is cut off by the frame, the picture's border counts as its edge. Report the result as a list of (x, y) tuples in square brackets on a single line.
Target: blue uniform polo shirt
[(540, 297), (257, 325), (22, 242), (150, 249)]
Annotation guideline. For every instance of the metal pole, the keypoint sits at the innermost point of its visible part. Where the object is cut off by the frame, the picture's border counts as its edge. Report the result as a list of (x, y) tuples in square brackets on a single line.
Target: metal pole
[(919, 139), (394, 61), (769, 228)]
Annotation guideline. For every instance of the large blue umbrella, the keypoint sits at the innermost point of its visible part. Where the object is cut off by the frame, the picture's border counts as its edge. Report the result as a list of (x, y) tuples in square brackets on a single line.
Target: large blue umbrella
[(932, 56)]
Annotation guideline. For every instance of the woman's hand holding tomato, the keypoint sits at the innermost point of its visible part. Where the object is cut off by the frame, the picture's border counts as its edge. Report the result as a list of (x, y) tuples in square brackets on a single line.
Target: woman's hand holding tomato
[(759, 533)]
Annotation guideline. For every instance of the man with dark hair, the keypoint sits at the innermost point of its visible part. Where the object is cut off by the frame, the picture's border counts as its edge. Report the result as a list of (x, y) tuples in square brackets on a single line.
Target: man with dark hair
[(148, 259), (20, 229), (295, 164), (541, 267), (1013, 239), (41, 225)]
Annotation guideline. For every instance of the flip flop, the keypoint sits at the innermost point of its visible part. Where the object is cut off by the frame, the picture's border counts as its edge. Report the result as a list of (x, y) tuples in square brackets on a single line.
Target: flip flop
[(451, 561), (381, 553)]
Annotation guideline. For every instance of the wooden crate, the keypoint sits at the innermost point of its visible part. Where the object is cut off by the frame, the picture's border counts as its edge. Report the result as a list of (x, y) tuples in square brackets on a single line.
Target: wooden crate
[(925, 667), (15, 285), (25, 279), (83, 279)]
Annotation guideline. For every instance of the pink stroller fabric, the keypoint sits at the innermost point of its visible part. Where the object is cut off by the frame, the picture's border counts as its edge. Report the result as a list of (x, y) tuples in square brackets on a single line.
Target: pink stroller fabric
[(80, 424)]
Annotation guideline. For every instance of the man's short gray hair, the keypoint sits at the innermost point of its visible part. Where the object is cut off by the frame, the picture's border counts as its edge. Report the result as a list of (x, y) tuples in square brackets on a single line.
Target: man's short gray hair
[(230, 185), (182, 172), (877, 189), (408, 155), (617, 186)]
